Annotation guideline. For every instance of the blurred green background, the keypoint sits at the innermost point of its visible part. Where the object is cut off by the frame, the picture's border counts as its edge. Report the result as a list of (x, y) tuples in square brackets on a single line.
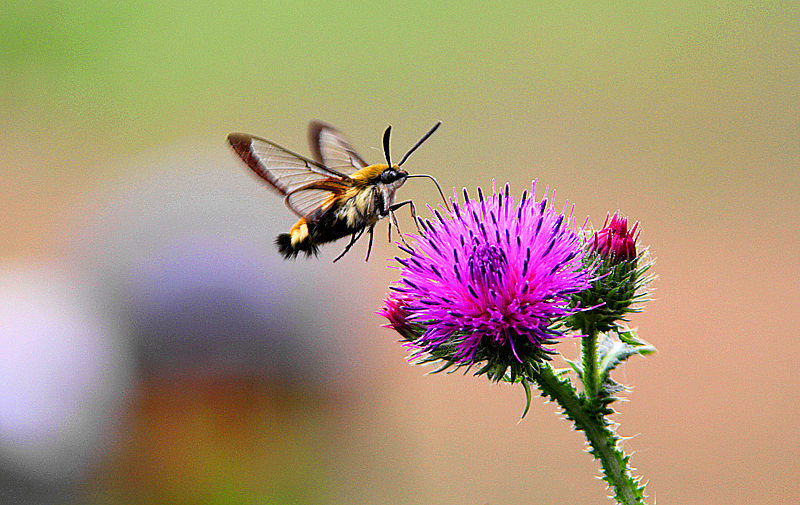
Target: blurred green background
[(140, 280)]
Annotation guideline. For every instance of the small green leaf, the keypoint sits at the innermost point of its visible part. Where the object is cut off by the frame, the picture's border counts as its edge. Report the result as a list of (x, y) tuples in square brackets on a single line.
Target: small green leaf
[(629, 337), (527, 386), (613, 351)]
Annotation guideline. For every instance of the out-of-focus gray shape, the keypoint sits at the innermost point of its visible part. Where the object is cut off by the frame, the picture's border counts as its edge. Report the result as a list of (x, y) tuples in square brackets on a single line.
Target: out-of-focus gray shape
[(211, 307)]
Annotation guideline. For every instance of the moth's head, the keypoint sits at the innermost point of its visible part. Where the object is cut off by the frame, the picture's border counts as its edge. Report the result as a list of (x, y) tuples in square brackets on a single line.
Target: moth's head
[(393, 174)]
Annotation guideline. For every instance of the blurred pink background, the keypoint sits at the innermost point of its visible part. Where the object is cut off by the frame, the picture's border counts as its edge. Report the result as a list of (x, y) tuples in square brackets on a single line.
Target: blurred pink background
[(156, 349)]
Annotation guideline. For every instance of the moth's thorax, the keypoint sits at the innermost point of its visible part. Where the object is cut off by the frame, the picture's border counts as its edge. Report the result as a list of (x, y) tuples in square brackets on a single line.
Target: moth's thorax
[(369, 174)]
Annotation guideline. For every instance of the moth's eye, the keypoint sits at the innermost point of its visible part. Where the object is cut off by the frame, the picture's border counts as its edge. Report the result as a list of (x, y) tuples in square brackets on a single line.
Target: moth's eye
[(389, 175)]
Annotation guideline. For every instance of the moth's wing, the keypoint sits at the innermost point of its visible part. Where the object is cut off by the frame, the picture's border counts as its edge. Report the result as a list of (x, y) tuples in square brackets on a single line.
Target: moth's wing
[(331, 148), (306, 201), (315, 196), (283, 169)]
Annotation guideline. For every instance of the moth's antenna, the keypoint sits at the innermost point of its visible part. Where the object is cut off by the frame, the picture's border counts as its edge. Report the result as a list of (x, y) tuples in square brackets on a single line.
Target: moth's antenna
[(386, 145), (437, 186), (419, 143)]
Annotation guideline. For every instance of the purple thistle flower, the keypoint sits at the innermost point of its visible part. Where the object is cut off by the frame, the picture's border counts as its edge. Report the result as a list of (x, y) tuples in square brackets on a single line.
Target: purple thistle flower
[(487, 282)]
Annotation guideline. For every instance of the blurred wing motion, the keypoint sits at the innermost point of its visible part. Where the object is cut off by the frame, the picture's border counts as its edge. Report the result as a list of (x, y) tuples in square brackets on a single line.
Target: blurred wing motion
[(331, 149), (307, 184)]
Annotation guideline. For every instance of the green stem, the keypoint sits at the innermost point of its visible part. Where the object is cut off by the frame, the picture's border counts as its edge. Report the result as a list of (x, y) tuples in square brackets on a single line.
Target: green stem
[(603, 441), (589, 352)]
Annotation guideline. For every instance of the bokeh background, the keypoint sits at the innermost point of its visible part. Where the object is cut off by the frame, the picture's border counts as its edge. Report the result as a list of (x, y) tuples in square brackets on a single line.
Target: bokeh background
[(155, 349)]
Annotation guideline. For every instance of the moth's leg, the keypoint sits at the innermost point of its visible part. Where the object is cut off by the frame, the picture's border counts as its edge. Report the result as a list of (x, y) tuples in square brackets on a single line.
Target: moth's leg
[(353, 239), (369, 247), (397, 225), (410, 203)]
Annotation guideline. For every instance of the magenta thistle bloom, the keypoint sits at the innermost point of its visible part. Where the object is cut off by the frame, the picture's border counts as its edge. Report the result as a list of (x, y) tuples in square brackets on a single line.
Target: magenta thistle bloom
[(487, 283), (614, 240)]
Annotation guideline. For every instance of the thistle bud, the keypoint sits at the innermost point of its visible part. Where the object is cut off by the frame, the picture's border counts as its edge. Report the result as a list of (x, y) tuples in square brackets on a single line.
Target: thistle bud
[(614, 241), (620, 279)]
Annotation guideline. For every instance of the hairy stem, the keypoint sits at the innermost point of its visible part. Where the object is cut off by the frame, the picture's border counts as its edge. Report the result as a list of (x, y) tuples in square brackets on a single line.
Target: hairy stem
[(601, 438), (589, 352)]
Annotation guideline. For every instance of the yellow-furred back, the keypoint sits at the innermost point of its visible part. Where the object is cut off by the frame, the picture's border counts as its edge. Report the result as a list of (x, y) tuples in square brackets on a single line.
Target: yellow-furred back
[(368, 175)]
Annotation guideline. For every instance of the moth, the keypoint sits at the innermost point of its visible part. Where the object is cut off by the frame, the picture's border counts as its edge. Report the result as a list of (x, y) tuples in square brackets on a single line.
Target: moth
[(336, 194)]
